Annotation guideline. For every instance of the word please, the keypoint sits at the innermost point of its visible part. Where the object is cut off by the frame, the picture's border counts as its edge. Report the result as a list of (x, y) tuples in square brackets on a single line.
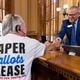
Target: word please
[(13, 47), (12, 70)]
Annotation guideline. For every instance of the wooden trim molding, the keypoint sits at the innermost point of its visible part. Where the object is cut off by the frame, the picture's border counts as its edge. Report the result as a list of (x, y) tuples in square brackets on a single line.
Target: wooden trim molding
[(9, 6)]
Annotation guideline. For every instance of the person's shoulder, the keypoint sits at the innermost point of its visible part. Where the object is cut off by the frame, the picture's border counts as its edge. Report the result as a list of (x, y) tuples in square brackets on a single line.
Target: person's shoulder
[(79, 18), (66, 21), (31, 39), (33, 42)]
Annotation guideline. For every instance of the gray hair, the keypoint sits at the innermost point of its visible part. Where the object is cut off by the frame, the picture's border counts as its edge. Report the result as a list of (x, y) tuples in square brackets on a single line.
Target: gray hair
[(9, 23), (76, 7)]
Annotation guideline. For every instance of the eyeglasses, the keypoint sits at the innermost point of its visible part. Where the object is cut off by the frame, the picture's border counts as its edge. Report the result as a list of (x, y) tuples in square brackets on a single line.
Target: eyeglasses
[(72, 14)]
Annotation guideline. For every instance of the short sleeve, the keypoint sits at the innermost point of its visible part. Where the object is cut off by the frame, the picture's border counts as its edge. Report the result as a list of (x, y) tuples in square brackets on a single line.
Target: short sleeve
[(39, 50)]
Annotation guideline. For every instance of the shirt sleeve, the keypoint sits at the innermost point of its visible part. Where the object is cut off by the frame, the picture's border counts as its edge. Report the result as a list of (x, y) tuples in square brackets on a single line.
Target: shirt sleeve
[(39, 50), (59, 39)]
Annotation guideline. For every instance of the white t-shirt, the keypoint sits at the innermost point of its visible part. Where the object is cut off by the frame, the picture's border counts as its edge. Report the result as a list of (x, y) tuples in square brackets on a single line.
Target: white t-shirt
[(16, 56)]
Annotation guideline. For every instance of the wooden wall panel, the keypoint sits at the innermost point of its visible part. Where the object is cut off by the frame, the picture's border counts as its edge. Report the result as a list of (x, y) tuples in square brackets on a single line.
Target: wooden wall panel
[(28, 10), (9, 6), (21, 9)]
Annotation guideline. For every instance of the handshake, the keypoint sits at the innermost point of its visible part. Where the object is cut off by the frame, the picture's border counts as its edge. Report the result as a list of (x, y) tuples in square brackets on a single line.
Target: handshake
[(54, 46)]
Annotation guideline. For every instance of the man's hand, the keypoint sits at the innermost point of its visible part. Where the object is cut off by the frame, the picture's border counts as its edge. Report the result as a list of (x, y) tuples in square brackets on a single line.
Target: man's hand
[(49, 46), (62, 49), (56, 43)]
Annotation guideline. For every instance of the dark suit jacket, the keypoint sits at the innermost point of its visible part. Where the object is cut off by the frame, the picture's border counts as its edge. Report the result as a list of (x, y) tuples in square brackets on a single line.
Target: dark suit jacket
[(65, 30)]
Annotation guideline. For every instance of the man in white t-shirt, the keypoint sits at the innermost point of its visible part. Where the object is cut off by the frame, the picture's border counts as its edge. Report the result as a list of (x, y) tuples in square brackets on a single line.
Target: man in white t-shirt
[(16, 50)]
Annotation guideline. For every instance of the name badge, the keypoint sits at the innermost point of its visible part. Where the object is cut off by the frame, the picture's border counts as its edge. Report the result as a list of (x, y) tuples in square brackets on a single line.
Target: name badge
[(69, 26)]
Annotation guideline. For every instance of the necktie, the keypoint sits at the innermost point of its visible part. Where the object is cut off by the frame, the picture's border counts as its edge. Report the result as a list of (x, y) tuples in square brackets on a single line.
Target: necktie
[(73, 35)]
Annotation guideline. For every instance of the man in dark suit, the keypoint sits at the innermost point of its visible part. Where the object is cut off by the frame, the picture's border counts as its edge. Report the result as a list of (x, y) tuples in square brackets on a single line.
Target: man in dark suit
[(66, 28)]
